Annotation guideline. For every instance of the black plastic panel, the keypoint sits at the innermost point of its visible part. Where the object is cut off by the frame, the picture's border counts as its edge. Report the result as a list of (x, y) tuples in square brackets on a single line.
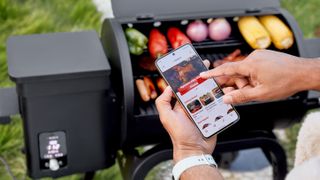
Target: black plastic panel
[(56, 56), (8, 102)]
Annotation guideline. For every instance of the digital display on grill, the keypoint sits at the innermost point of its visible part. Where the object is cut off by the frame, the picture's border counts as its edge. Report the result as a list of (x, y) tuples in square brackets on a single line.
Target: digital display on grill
[(52, 145)]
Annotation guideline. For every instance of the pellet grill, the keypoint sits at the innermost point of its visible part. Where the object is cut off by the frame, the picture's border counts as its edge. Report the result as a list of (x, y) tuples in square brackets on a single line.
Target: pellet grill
[(76, 94)]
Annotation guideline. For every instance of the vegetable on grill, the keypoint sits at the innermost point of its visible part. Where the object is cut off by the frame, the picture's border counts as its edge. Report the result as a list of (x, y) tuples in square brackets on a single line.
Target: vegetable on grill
[(158, 45), (137, 41), (197, 31), (177, 38), (254, 32), (281, 35), (219, 29)]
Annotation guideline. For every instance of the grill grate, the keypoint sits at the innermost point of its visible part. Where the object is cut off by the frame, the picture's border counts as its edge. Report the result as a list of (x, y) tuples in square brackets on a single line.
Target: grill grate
[(213, 57), (208, 43), (147, 110), (231, 41)]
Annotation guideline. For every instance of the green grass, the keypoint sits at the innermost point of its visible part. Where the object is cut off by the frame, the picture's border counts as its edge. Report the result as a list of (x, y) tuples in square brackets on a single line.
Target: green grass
[(306, 13), (43, 16), (36, 16), (39, 16)]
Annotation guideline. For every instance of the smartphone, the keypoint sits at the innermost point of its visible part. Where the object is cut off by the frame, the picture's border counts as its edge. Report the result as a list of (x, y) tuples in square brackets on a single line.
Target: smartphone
[(200, 98)]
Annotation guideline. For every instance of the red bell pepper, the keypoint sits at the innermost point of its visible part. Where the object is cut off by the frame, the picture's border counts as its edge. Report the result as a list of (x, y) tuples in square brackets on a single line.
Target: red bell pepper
[(177, 38), (158, 45)]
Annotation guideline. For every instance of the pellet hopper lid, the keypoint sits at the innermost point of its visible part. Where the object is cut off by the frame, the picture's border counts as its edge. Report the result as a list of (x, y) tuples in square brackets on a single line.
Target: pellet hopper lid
[(56, 56), (157, 8)]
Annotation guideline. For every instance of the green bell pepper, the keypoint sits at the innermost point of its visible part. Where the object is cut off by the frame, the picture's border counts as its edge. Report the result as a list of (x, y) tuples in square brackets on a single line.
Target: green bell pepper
[(137, 41)]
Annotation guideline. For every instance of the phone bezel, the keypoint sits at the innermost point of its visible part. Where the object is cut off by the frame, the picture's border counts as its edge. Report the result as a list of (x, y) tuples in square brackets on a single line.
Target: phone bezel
[(177, 97)]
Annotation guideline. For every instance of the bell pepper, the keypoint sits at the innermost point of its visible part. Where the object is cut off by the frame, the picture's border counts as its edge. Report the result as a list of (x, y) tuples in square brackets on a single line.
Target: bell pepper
[(137, 41), (158, 45), (177, 38)]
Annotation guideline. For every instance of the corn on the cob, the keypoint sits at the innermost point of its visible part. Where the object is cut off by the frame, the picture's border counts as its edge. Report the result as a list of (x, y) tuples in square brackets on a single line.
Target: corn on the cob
[(281, 35), (254, 33)]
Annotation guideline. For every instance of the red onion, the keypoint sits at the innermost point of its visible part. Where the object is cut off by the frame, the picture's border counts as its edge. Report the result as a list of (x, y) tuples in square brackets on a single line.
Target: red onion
[(197, 31), (219, 29)]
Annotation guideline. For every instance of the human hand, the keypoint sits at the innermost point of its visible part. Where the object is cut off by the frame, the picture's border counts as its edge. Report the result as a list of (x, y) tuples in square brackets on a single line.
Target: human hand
[(185, 136), (263, 75)]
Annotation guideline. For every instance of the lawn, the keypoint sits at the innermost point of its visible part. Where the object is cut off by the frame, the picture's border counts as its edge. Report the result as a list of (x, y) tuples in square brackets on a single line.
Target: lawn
[(42, 16), (38, 16)]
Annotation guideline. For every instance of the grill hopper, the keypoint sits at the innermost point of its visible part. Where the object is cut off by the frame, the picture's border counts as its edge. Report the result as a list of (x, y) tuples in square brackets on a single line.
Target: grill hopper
[(65, 101)]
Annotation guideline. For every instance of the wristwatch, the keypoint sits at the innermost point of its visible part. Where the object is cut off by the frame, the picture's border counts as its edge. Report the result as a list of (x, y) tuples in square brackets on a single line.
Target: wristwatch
[(189, 162)]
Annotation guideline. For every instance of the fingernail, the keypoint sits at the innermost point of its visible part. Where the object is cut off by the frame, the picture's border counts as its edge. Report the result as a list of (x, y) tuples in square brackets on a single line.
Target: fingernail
[(202, 74), (227, 99)]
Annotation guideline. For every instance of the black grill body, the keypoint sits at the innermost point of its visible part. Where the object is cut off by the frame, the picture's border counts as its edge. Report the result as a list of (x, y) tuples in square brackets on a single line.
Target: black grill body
[(139, 122)]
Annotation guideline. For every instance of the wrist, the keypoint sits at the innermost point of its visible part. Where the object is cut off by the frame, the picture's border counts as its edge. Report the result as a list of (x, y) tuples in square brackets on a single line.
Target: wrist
[(182, 151), (179, 155), (308, 75)]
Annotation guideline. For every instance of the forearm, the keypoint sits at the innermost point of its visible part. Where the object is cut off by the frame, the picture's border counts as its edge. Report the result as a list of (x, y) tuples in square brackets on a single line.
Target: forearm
[(308, 75)]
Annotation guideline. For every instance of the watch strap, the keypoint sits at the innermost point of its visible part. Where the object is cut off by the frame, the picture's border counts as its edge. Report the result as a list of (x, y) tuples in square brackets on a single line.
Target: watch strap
[(189, 162)]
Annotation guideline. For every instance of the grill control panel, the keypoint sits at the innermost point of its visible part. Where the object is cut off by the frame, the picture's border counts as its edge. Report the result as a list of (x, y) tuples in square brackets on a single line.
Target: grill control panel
[(53, 150)]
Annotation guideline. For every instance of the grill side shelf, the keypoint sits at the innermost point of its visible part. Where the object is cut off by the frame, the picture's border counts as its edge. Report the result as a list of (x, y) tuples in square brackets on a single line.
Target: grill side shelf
[(8, 103)]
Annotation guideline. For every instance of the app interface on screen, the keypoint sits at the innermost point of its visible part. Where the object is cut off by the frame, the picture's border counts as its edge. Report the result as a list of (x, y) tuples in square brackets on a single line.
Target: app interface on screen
[(201, 97)]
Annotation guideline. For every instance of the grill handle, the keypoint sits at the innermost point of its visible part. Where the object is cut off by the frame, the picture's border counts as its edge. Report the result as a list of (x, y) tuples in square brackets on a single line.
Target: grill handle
[(312, 47), (313, 100), (8, 104)]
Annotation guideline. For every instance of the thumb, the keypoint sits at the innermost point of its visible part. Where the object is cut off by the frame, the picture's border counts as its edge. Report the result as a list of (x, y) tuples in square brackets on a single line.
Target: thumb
[(240, 96), (163, 102)]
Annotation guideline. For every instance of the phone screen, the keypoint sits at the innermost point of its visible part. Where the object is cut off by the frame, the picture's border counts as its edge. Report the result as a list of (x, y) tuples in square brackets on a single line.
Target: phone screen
[(201, 98)]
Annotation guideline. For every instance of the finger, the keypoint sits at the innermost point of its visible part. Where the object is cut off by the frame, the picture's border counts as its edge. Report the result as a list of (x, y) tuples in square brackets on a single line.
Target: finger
[(230, 82), (241, 82), (228, 90), (217, 63), (228, 69), (163, 101), (206, 63), (222, 80), (240, 96)]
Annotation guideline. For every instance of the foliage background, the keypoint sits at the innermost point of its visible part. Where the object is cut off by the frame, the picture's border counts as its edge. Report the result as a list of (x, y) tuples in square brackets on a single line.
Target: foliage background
[(42, 16)]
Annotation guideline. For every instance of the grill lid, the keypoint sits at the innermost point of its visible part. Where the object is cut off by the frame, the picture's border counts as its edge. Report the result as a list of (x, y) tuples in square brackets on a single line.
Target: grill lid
[(156, 8)]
